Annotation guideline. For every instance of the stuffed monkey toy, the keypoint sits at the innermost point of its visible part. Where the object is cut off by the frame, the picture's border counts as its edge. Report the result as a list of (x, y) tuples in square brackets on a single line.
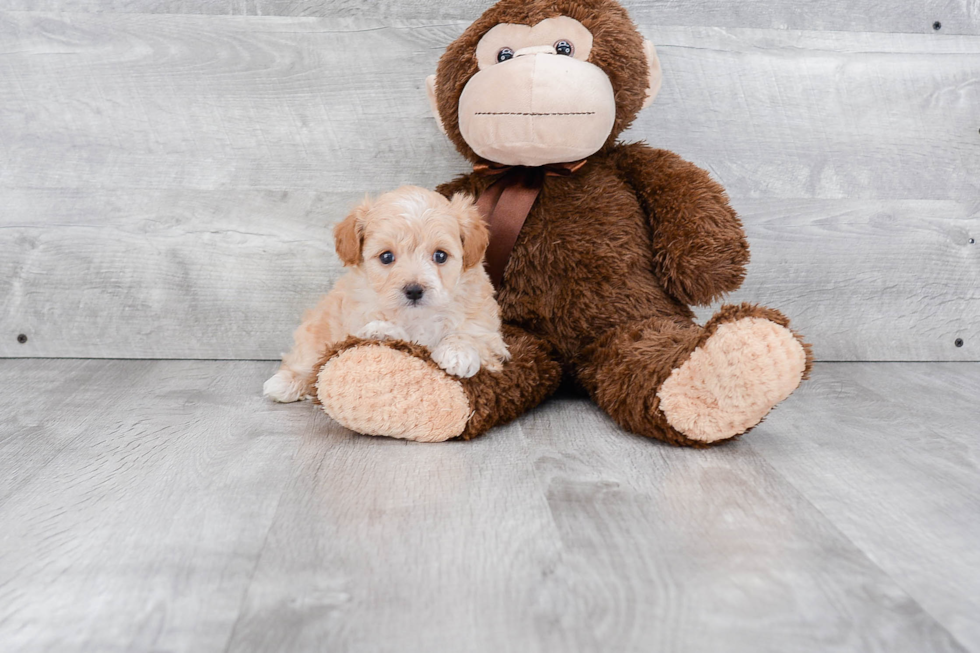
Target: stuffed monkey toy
[(598, 250)]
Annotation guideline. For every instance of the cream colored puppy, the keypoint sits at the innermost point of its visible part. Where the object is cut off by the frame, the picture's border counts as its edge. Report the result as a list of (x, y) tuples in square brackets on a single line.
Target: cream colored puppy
[(415, 274)]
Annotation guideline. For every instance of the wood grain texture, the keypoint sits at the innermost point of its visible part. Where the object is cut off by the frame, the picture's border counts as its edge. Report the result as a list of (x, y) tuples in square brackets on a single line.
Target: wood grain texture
[(821, 114), (29, 438), (955, 16), (163, 274), (168, 180), (383, 545), (682, 550), (165, 506), (227, 274), (897, 445), (141, 531), (214, 102), (868, 280)]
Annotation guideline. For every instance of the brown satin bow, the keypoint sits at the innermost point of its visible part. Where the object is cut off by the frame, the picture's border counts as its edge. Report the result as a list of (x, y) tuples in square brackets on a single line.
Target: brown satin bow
[(506, 204)]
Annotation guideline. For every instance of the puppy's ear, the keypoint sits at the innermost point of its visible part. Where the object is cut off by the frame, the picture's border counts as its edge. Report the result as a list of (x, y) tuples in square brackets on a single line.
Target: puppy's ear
[(348, 235), (472, 228)]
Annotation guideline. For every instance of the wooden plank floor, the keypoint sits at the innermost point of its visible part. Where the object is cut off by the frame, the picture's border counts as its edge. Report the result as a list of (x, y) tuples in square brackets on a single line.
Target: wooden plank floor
[(164, 505)]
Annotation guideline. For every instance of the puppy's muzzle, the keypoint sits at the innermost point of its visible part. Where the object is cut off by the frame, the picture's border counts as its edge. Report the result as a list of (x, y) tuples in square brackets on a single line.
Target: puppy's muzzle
[(413, 292)]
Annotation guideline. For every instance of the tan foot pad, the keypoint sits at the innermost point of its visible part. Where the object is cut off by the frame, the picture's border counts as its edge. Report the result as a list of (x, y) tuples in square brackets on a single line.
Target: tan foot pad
[(733, 379), (377, 390)]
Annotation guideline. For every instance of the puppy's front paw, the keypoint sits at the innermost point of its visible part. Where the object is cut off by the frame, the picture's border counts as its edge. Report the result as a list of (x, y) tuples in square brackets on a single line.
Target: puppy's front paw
[(499, 354), (457, 359), (382, 330), (284, 386)]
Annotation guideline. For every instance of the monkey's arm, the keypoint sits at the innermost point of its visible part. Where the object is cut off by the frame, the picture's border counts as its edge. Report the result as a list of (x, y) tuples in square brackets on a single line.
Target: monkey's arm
[(700, 251)]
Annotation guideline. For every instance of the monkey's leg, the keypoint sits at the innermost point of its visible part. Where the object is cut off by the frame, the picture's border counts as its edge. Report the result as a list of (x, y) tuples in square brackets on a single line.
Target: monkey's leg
[(394, 389), (695, 386)]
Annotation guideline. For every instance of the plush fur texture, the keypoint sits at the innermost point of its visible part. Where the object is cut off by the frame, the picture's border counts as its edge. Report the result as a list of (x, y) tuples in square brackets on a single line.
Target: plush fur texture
[(600, 279), (453, 315), (529, 378), (396, 389), (519, 111), (617, 49), (419, 402), (732, 379)]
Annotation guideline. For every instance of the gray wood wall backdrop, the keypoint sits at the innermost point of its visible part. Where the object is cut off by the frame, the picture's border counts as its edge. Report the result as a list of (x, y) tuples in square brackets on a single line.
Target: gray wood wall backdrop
[(170, 169)]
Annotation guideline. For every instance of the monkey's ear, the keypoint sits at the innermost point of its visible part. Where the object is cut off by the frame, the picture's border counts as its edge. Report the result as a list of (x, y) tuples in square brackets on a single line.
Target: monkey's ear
[(472, 229), (348, 235), (656, 74), (430, 89)]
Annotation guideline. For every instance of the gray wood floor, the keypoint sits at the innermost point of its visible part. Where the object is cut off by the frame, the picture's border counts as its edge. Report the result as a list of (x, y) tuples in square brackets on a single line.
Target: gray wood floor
[(165, 506)]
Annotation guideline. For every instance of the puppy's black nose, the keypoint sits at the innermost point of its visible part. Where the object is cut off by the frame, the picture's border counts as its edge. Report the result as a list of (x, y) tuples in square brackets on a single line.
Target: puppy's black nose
[(414, 292)]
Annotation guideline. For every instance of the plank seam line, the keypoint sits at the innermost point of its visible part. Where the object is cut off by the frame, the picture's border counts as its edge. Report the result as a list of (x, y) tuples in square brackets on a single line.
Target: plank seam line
[(541, 489), (258, 560), (865, 554)]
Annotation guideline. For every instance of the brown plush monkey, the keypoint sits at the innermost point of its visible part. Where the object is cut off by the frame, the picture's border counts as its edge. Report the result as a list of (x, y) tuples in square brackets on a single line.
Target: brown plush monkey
[(598, 284)]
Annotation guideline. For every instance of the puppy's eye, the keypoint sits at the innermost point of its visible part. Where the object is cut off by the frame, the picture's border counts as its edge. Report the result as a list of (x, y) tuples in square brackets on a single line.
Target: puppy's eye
[(440, 257), (387, 258), (564, 47), (504, 54)]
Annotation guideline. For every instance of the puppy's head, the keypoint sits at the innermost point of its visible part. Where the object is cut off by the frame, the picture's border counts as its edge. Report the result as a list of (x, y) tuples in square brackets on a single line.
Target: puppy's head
[(413, 245)]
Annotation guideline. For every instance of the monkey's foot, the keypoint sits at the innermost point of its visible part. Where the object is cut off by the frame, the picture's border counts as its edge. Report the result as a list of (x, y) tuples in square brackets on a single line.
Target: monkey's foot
[(376, 389), (733, 379)]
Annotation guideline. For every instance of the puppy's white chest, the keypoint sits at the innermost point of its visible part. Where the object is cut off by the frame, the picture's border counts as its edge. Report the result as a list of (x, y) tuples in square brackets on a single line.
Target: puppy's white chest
[(424, 329), (418, 326)]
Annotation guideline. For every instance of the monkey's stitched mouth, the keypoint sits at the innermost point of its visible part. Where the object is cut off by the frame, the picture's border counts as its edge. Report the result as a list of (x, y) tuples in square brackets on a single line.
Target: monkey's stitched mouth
[(529, 113)]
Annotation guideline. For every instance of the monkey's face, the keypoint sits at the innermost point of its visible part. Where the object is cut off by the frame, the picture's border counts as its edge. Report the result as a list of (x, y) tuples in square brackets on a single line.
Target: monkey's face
[(536, 99), (520, 94)]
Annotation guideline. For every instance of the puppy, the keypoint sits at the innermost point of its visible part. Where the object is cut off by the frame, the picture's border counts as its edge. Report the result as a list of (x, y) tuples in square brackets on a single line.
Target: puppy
[(415, 274)]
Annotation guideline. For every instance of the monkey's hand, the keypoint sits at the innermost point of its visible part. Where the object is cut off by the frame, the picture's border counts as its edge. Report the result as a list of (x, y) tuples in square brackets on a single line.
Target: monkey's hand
[(699, 248)]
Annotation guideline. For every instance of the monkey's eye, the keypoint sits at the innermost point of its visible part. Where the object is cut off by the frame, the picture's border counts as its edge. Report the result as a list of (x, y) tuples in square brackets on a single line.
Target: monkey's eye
[(504, 54), (564, 47), (387, 258), (440, 257)]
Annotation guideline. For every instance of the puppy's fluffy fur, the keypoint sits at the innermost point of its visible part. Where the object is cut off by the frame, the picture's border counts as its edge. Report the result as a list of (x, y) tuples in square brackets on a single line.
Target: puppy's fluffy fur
[(415, 274)]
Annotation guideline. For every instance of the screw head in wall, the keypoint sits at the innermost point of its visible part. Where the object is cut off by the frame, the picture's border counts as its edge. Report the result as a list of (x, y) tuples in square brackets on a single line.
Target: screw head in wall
[(22, 338), (958, 342), (937, 26)]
